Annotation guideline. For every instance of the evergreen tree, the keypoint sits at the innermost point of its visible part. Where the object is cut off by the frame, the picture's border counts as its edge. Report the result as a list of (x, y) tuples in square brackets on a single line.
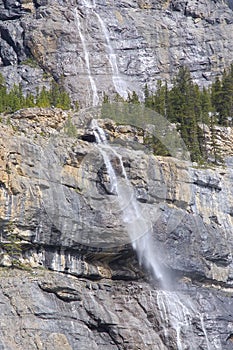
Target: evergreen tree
[(59, 97), (29, 100), (43, 98), (133, 98), (226, 110), (3, 94), (186, 106), (105, 98), (206, 105), (216, 96), (148, 98), (213, 142), (15, 99), (206, 110), (146, 94), (118, 98), (63, 100), (159, 102)]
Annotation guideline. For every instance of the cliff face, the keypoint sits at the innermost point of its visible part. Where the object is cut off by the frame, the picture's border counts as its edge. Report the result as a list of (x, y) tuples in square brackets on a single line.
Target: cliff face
[(118, 46), (56, 200), (59, 210), (52, 311)]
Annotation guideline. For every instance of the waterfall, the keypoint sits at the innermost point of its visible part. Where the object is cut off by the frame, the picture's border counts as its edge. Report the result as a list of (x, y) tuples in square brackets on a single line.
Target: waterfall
[(95, 98), (176, 315), (118, 82), (7, 202), (137, 226), (204, 331), (177, 312)]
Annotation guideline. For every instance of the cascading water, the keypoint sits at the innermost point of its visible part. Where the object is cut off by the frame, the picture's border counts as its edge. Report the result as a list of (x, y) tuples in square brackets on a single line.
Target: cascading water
[(137, 227), (118, 81), (177, 312), (95, 97), (205, 332)]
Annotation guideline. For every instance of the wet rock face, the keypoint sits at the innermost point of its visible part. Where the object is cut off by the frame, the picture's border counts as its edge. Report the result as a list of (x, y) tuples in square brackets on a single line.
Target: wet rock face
[(50, 310), (95, 46), (55, 200), (56, 196)]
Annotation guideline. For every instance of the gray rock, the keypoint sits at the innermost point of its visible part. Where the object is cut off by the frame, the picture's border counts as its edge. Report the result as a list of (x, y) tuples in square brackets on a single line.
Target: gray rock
[(93, 48), (48, 309), (57, 213)]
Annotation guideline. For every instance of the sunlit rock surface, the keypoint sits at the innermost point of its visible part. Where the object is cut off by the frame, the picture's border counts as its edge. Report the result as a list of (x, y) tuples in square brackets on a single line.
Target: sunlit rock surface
[(92, 46), (55, 201), (54, 311)]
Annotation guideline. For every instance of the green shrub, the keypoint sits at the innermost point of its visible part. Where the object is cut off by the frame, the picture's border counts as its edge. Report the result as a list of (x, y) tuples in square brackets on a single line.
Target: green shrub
[(31, 62), (70, 129), (14, 100)]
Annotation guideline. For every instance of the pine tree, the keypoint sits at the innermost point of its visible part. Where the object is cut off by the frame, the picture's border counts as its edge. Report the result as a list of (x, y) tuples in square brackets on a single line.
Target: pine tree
[(15, 98), (206, 109), (226, 110), (216, 96), (43, 98), (159, 102), (3, 94), (29, 100), (105, 98), (58, 97), (63, 100), (148, 98), (133, 98), (118, 98), (185, 99), (214, 146), (206, 105)]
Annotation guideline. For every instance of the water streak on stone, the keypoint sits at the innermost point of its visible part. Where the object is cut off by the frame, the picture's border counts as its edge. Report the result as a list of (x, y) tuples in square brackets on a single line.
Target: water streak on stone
[(118, 81), (205, 331), (137, 226), (95, 96)]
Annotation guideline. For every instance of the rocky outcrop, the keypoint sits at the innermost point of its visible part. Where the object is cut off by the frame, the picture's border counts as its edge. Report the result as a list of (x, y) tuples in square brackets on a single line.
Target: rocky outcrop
[(55, 196), (57, 212), (54, 311), (93, 47)]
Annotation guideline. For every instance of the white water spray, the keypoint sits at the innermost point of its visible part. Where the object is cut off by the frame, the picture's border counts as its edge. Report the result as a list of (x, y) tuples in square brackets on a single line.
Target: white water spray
[(175, 315), (95, 98), (137, 226), (205, 331), (177, 312), (118, 81)]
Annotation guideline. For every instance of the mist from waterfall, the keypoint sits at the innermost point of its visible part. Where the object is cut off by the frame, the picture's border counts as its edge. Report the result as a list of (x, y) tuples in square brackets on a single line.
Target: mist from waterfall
[(177, 311), (138, 227)]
